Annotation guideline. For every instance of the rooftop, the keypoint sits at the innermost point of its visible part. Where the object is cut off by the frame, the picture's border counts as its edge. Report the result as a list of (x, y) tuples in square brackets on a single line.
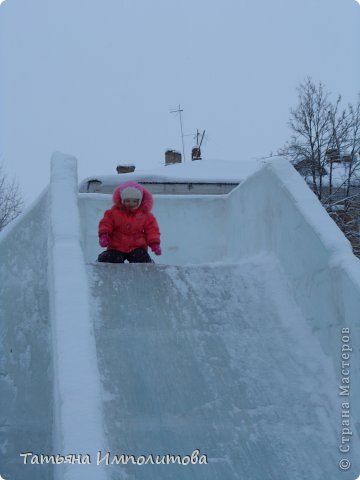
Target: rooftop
[(200, 172)]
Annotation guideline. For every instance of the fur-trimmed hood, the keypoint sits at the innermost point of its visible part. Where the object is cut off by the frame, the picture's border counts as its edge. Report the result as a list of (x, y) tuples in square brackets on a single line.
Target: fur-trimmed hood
[(147, 198)]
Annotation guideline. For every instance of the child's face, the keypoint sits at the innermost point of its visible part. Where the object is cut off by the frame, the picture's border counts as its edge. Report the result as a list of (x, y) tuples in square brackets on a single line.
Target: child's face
[(131, 203)]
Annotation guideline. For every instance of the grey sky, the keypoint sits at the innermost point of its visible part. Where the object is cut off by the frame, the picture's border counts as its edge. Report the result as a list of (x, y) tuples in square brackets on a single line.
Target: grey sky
[(98, 79)]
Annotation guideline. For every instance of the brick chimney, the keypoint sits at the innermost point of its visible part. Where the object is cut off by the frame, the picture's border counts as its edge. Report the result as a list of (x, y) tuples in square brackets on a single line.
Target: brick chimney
[(125, 168), (172, 156)]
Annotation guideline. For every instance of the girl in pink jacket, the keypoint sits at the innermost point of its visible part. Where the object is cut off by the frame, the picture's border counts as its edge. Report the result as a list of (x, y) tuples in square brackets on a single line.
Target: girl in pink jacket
[(129, 227)]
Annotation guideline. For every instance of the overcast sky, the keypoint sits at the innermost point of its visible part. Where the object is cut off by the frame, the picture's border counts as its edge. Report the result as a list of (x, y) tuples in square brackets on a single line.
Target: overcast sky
[(98, 79)]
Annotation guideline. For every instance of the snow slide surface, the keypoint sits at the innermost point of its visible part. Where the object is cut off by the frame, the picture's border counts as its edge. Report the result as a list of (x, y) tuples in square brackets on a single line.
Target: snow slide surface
[(215, 359)]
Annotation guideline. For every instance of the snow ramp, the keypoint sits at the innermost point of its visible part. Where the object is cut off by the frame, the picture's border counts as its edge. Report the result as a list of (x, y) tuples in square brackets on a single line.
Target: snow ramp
[(221, 361), (217, 360)]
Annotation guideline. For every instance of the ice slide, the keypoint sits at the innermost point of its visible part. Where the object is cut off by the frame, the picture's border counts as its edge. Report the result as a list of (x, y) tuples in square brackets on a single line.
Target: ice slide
[(232, 346)]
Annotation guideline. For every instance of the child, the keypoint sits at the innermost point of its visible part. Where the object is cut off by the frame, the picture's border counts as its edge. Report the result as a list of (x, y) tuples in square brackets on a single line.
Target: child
[(129, 227)]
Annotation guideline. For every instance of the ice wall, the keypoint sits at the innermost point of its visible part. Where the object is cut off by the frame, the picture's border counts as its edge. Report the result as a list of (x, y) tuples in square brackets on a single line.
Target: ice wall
[(49, 388), (274, 211), (26, 382), (77, 392)]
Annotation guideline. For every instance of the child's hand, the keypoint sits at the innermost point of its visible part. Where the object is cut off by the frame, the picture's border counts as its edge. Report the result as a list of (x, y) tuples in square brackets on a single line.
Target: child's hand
[(104, 240), (156, 248)]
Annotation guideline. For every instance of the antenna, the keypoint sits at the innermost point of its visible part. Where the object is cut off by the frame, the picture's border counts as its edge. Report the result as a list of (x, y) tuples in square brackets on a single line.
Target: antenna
[(179, 111), (197, 138)]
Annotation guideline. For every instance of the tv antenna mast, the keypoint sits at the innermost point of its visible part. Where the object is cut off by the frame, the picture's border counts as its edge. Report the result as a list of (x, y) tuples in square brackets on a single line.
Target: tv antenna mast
[(179, 111)]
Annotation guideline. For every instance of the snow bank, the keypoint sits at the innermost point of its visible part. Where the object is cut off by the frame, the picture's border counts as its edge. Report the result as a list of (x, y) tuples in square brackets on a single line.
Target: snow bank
[(78, 418)]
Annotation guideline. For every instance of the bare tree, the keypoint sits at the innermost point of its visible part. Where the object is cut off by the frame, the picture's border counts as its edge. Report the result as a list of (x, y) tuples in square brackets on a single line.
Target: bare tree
[(324, 148), (348, 217), (11, 202)]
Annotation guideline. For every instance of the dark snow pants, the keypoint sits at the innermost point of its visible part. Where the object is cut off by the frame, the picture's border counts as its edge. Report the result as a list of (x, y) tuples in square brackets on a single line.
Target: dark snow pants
[(139, 255)]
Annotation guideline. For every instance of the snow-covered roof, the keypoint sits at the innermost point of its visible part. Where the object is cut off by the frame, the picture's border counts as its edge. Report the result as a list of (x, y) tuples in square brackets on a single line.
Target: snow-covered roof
[(199, 171)]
